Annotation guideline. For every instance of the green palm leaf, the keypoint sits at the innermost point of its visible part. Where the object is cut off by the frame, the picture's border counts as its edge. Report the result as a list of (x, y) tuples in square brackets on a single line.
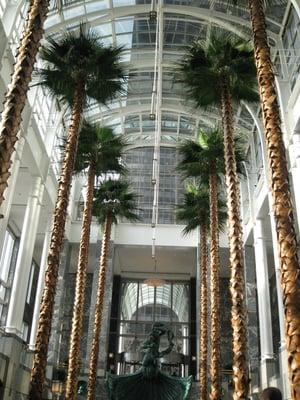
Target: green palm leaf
[(116, 199), (207, 62), (101, 147), (194, 211), (81, 56), (197, 155)]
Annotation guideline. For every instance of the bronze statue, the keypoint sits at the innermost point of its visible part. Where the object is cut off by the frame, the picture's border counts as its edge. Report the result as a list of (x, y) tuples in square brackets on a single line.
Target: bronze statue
[(149, 383)]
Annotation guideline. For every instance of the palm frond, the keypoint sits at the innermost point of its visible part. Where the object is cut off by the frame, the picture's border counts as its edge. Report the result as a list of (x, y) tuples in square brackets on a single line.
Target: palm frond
[(196, 157), (116, 199), (80, 56), (194, 211), (100, 146), (207, 62)]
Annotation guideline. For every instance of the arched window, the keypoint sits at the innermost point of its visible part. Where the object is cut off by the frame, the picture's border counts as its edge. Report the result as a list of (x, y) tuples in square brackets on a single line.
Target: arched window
[(142, 305)]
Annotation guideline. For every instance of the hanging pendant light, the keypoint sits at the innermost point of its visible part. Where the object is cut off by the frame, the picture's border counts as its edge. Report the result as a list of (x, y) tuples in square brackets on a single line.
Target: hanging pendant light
[(155, 281)]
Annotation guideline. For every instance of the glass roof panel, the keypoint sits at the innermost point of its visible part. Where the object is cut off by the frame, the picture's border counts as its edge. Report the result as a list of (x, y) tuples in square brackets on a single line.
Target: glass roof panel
[(132, 29), (124, 25), (122, 3), (103, 30), (96, 6), (71, 12)]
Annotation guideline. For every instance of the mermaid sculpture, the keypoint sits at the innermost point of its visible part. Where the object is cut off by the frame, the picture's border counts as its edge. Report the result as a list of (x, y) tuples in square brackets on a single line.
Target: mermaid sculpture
[(149, 383)]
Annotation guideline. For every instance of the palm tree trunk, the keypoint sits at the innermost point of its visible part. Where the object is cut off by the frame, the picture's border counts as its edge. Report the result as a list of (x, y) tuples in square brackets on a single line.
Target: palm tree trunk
[(47, 304), (99, 310), (16, 95), (78, 309), (215, 393), (237, 280), (203, 313), (282, 203)]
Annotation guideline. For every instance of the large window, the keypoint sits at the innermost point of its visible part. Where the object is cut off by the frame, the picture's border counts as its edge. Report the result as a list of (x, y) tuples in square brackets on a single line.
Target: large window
[(142, 305), (291, 44), (7, 266), (140, 165), (30, 300), (258, 154)]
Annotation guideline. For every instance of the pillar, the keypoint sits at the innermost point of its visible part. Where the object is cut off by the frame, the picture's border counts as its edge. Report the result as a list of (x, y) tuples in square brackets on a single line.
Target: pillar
[(40, 285), (263, 297), (294, 152), (282, 350), (253, 324), (24, 259), (10, 190)]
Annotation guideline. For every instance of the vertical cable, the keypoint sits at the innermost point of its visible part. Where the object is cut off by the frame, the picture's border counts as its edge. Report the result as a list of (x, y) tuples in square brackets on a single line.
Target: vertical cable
[(157, 95)]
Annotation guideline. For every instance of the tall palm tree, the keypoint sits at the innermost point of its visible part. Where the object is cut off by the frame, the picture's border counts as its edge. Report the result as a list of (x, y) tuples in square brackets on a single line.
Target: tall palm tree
[(113, 200), (281, 192), (204, 158), (197, 212), (194, 213), (15, 97), (222, 71), (78, 68), (99, 151)]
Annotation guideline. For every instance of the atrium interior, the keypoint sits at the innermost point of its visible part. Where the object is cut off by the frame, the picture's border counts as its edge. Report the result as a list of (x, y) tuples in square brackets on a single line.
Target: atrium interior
[(153, 269)]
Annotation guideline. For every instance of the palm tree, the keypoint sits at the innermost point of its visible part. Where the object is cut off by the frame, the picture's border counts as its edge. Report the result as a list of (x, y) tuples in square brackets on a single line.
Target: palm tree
[(113, 200), (281, 192), (196, 211), (16, 94), (220, 71), (99, 151), (78, 68), (204, 158)]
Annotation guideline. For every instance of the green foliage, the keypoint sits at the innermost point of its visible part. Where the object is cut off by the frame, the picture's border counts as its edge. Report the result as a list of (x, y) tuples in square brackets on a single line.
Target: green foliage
[(81, 57), (194, 211), (116, 199), (223, 57), (198, 155), (101, 147)]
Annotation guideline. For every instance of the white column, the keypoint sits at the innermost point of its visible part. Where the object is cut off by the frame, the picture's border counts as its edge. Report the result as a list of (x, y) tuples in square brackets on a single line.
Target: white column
[(282, 350), (9, 192), (40, 285), (263, 297), (24, 259), (294, 152)]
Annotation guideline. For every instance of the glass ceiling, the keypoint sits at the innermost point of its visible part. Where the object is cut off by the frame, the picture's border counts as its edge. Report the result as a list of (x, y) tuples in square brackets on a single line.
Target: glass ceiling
[(127, 23), (137, 295)]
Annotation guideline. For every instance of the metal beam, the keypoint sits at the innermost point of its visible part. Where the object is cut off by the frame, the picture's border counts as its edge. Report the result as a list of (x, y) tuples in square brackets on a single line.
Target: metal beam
[(223, 20)]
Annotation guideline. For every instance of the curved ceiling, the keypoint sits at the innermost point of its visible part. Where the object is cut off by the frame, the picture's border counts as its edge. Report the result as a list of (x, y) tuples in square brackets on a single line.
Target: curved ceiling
[(127, 23), (173, 296)]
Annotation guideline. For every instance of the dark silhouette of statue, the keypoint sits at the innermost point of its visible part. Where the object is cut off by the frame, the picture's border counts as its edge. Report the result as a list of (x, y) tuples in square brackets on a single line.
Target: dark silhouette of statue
[(149, 383), (271, 393)]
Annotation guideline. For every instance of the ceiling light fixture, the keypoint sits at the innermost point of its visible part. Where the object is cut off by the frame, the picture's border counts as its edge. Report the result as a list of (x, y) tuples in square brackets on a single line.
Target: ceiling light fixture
[(155, 281)]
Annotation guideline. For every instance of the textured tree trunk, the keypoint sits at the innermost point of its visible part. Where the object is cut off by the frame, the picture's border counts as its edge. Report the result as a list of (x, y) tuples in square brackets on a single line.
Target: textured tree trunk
[(47, 304), (237, 280), (92, 381), (215, 393), (78, 309), (203, 313), (282, 203), (15, 98)]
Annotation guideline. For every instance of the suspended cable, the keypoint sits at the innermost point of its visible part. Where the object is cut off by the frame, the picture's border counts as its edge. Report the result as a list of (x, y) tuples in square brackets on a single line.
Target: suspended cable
[(156, 102)]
